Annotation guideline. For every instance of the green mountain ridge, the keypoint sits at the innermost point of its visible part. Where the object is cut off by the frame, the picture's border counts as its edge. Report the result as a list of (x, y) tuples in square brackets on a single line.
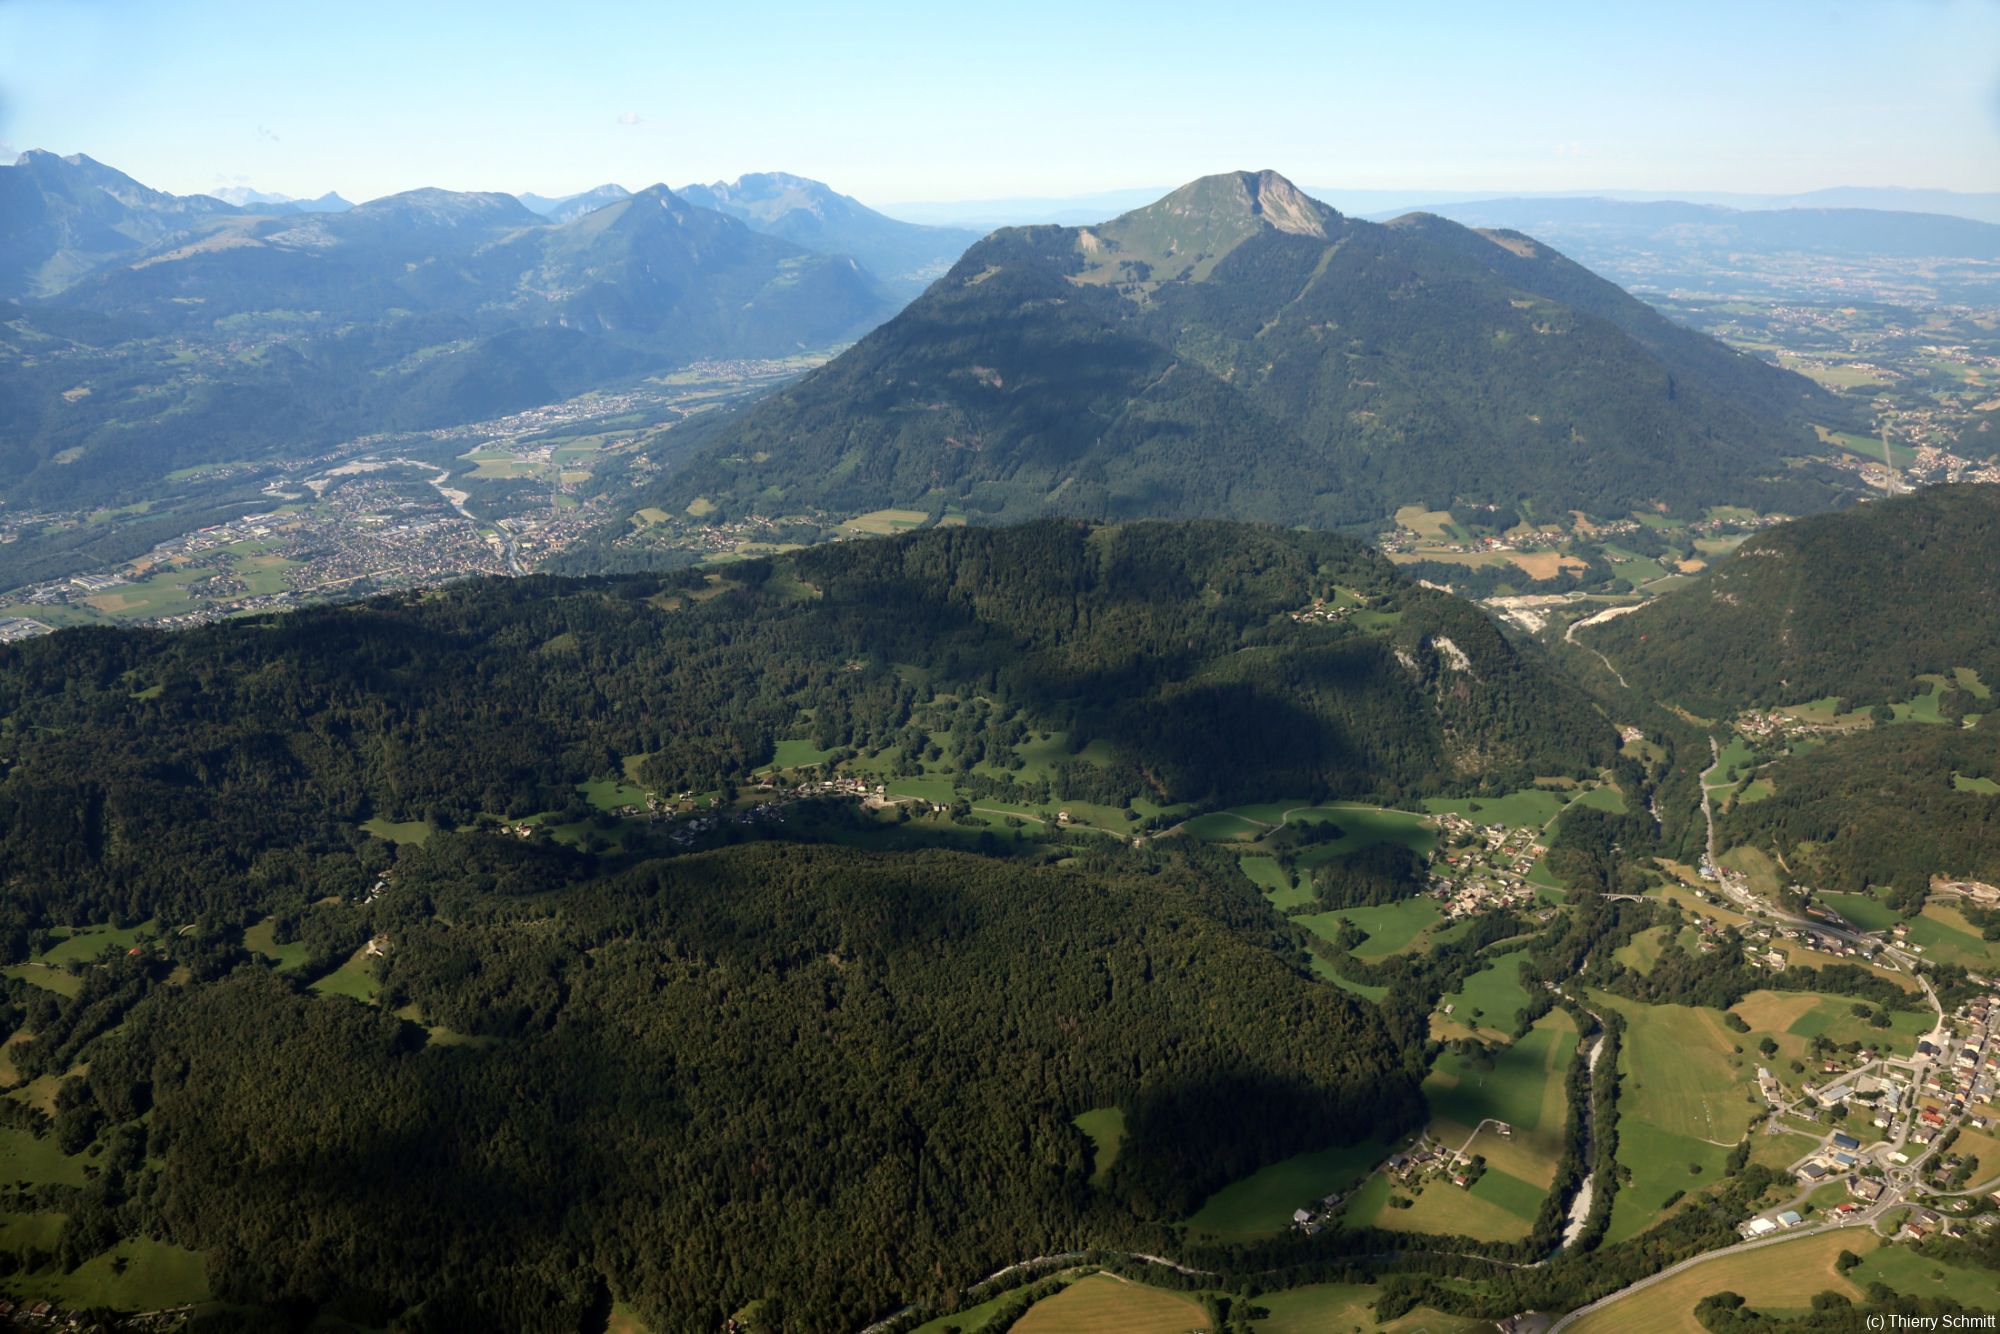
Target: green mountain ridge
[(1239, 349), (1856, 604)]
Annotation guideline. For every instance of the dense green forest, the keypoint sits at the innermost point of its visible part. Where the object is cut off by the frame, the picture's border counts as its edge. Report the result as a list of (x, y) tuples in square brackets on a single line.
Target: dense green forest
[(1197, 357), (227, 768), (1883, 807), (1854, 604), (828, 1080), (605, 1111)]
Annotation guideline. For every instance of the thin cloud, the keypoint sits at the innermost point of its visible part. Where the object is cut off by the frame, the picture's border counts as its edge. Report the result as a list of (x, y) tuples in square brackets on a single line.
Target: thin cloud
[(265, 132), (631, 118)]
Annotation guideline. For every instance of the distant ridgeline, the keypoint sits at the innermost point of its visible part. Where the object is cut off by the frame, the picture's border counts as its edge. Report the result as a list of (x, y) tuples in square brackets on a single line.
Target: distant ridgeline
[(826, 1079), (1238, 349)]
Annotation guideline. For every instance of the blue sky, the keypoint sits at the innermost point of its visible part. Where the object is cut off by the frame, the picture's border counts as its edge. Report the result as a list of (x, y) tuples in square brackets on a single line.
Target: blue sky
[(895, 102)]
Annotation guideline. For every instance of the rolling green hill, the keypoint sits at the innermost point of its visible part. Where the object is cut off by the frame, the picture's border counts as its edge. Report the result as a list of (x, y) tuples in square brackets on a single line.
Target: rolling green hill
[(1239, 349)]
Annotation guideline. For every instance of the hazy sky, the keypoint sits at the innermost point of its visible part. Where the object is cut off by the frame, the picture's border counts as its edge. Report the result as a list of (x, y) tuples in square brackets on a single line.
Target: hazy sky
[(938, 101)]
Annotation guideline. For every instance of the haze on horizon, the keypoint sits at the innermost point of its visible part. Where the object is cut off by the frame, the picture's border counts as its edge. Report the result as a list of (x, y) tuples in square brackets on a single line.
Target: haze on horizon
[(898, 102)]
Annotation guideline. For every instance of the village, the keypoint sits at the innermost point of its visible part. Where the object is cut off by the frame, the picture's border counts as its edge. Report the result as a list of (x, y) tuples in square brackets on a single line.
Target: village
[(1481, 868), (1909, 1112)]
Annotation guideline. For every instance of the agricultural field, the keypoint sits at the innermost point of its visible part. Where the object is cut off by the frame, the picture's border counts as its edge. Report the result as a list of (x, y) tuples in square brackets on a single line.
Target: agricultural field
[(1262, 1203), (1685, 1100), (1107, 1304), (1336, 1308), (1783, 1277), (1489, 999), (1522, 1086)]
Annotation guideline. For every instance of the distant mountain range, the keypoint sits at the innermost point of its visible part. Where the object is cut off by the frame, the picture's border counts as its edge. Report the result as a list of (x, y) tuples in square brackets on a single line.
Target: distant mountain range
[(905, 256), (1024, 211), (253, 200), (294, 329), (1239, 348)]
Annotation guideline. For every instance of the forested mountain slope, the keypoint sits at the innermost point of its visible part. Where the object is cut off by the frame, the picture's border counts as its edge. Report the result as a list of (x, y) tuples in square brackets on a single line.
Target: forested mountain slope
[(146, 772), (1889, 807), (820, 1077), (61, 217), (1855, 604), (1240, 349)]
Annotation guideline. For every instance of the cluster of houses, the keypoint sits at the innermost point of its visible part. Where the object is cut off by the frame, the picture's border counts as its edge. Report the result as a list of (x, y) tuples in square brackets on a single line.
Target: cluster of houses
[(1487, 874), (1324, 611), (1777, 725), (1761, 945), (49, 1315)]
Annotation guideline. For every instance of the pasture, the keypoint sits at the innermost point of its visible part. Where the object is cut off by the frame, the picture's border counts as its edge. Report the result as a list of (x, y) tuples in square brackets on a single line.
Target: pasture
[(403, 831), (1327, 1308), (1522, 1086), (1390, 927), (262, 939), (48, 979), (1489, 999), (1283, 891), (1107, 1304), (884, 523), (1532, 806), (135, 1275), (1792, 1019), (608, 794), (1442, 1209), (1948, 937), (1984, 787), (1105, 1128), (797, 753), (85, 944), (1685, 1099), (354, 979), (36, 1161), (1262, 1204), (1914, 1275)]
